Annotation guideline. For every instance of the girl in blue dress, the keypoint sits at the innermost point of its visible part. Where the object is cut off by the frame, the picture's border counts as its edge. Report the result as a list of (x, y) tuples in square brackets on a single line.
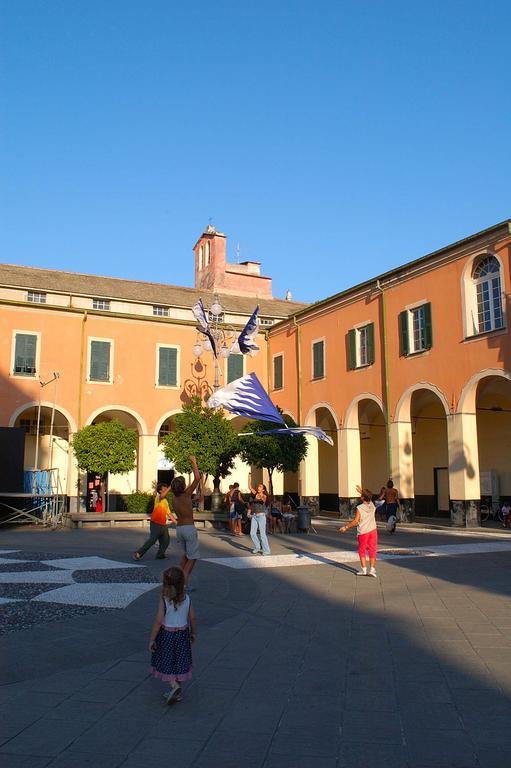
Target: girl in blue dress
[(172, 634)]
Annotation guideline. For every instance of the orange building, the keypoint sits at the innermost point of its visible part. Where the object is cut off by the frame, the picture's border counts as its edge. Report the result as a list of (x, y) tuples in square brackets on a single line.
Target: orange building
[(122, 349), (410, 373)]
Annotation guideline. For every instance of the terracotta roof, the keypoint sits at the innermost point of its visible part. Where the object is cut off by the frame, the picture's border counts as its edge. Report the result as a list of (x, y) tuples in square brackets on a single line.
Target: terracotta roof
[(77, 284)]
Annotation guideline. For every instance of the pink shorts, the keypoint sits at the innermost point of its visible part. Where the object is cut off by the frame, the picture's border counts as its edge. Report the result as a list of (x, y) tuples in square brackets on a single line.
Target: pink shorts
[(368, 541)]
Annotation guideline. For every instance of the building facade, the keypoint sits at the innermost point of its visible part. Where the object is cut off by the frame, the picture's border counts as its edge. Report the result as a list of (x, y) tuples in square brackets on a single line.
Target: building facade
[(410, 374), (122, 349)]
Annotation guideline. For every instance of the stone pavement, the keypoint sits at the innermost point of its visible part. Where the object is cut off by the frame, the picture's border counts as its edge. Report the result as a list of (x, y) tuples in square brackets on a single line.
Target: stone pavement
[(294, 667)]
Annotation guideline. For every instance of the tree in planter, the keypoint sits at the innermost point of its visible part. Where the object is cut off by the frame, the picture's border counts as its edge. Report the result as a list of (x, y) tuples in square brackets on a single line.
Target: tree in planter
[(205, 433), (272, 452), (106, 447)]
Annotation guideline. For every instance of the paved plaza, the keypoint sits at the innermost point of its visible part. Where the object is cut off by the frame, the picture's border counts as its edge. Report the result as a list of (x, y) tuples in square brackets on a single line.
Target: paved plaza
[(298, 663)]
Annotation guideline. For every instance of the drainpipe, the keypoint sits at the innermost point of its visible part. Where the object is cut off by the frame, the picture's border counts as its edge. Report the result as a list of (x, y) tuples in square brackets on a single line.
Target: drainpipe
[(385, 373), (298, 370), (268, 360)]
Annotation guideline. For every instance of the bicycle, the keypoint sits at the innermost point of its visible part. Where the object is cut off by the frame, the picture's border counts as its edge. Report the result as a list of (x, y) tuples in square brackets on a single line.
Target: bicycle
[(491, 509)]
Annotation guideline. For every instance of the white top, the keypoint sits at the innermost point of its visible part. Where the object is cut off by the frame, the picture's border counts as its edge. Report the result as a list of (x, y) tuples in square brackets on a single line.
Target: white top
[(367, 518), (176, 617)]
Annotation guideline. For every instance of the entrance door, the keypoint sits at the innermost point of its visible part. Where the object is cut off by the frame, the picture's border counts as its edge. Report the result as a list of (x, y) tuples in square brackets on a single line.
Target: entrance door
[(442, 489)]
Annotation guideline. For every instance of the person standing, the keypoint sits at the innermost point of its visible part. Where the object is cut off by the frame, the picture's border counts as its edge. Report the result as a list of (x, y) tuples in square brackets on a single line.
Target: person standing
[(158, 531), (186, 532), (390, 496), (172, 633), (258, 522), (239, 509), (367, 532)]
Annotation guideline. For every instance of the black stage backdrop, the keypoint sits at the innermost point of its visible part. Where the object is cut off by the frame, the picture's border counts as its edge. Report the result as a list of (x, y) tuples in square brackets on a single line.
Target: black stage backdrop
[(12, 450)]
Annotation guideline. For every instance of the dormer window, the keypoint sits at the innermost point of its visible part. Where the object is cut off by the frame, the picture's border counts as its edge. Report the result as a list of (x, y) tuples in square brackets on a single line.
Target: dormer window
[(103, 304), (35, 297)]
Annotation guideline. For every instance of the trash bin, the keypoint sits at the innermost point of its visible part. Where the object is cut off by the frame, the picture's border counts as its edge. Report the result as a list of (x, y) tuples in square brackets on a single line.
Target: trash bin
[(303, 522)]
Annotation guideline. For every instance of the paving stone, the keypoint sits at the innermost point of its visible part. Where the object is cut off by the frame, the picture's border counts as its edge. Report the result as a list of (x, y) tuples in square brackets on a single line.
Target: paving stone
[(447, 748), (128, 670), (23, 761), (45, 737), (71, 759), (300, 761), (371, 755), (301, 743), (427, 716), (371, 725), (108, 691)]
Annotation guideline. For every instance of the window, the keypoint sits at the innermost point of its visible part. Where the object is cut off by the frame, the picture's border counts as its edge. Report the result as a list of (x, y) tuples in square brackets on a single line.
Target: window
[(208, 254), (318, 359), (161, 311), (265, 321), (415, 329), (216, 318), (36, 298), (278, 366), (201, 257), (99, 360), (361, 346), (234, 367), (25, 352), (167, 366), (100, 304), (30, 426), (488, 295)]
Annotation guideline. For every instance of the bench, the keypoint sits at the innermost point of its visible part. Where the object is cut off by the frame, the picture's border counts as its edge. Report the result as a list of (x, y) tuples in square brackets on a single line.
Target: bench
[(110, 519), (210, 517)]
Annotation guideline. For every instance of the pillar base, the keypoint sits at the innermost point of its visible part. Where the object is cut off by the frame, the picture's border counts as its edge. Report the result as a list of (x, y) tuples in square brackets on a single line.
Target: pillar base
[(312, 502), (407, 510), (466, 513)]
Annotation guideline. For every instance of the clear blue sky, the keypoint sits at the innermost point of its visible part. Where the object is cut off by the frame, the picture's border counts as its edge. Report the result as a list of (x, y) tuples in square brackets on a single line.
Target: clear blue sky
[(332, 140)]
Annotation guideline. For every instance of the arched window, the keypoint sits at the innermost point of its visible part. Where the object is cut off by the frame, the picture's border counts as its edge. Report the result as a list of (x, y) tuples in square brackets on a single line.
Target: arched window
[(488, 294), (201, 257), (208, 253)]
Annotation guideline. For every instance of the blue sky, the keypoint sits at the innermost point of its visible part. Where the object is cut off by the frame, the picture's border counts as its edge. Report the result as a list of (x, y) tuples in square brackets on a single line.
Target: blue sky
[(331, 140)]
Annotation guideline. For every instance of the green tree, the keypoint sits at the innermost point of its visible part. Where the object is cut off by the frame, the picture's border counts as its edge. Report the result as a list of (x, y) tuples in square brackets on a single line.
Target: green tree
[(272, 452), (205, 433), (106, 447)]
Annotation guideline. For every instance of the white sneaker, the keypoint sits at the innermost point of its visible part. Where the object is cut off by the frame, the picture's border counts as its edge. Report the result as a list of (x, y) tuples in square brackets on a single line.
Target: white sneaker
[(362, 572), (372, 573), (256, 551)]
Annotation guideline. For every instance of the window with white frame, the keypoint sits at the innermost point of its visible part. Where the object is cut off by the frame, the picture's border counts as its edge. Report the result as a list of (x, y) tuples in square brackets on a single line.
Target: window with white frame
[(265, 321), (318, 359), (161, 311), (101, 304), (278, 371), (25, 354), (488, 295), (235, 367), (100, 362), (361, 346), (415, 329), (36, 297), (167, 366)]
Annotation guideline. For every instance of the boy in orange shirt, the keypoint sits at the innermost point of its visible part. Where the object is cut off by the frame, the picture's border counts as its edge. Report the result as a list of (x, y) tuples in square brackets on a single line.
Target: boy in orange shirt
[(158, 531)]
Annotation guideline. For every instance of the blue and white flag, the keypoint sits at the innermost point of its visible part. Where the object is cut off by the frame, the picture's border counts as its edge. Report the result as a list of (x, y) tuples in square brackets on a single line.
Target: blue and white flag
[(314, 431), (200, 315), (245, 339), (246, 397)]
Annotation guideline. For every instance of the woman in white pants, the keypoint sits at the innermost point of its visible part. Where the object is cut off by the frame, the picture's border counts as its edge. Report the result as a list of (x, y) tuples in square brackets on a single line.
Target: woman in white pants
[(258, 523)]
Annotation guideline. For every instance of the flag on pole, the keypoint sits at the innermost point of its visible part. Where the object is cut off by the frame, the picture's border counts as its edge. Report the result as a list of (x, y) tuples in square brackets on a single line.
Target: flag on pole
[(245, 339), (246, 397), (203, 327)]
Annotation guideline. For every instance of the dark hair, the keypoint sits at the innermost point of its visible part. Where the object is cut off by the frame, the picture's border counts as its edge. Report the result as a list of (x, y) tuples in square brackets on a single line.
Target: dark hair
[(366, 495), (173, 587), (236, 485), (390, 484), (178, 485), (160, 486)]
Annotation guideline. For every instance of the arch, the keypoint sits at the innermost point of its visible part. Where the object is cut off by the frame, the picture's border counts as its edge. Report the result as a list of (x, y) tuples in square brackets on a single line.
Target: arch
[(291, 415), (467, 401), (141, 425), (44, 404), (402, 412), (317, 406), (351, 415), (164, 418)]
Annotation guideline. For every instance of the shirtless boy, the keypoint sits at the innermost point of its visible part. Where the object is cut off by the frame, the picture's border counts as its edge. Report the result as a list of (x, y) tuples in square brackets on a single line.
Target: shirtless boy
[(186, 533)]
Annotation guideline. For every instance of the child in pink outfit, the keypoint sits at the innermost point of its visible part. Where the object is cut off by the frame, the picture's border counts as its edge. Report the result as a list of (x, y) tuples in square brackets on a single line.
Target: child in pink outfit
[(367, 533)]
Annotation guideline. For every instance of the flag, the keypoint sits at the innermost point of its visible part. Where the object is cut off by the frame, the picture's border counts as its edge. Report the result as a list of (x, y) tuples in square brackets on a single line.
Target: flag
[(245, 340), (246, 397), (314, 431), (200, 315)]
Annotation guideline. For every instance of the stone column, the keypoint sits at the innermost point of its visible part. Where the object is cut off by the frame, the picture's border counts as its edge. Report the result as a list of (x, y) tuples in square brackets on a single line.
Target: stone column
[(349, 472), (401, 464), (147, 464), (73, 474), (464, 484), (309, 476)]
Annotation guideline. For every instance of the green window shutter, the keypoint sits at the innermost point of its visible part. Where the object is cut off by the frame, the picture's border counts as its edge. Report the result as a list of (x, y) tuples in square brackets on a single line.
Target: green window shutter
[(428, 327), (352, 349), (99, 361), (404, 347), (25, 354), (277, 372), (318, 356), (370, 344), (167, 367), (234, 367)]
